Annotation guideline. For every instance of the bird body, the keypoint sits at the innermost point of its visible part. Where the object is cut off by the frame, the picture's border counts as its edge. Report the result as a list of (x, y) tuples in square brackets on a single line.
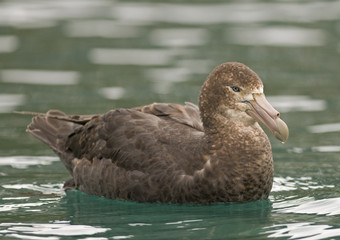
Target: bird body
[(166, 152)]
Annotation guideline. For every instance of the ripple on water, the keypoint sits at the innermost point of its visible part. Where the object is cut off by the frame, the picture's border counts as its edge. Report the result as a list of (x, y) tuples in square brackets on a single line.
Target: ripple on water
[(58, 228), (43, 188), (123, 237), (179, 37), (328, 207), (8, 102), (277, 36), (289, 184), (302, 230), (328, 149), (139, 57), (8, 43), (297, 103), (21, 162), (31, 204), (227, 13), (164, 78), (112, 93), (306, 230), (40, 77), (100, 28), (324, 128)]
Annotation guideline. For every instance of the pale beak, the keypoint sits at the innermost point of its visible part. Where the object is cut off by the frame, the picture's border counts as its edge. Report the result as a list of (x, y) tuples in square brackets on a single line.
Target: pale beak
[(264, 113)]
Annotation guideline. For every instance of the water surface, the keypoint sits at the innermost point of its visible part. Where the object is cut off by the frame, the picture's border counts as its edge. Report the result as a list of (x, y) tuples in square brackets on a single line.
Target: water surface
[(91, 56)]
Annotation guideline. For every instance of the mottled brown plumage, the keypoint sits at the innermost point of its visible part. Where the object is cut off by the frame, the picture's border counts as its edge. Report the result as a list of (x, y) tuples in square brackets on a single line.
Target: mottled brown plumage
[(169, 152)]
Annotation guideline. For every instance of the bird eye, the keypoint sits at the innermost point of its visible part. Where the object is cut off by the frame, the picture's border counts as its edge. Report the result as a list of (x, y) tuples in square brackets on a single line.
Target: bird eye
[(235, 88)]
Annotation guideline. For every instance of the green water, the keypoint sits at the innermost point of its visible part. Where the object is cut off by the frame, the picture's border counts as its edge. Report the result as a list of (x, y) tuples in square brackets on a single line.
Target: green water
[(91, 56)]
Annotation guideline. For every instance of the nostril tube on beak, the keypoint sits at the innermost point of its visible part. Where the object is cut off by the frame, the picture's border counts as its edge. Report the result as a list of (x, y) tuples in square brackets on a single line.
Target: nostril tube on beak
[(265, 105)]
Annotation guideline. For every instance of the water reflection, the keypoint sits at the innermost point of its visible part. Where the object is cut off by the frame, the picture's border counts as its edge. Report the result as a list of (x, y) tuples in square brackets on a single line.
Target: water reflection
[(297, 103), (22, 162), (163, 78), (45, 14), (41, 77), (20, 236), (290, 184), (179, 37), (123, 237), (100, 28), (328, 207), (168, 221), (170, 43), (303, 230), (228, 13), (140, 57), (276, 36), (325, 128), (8, 102), (59, 228), (112, 92), (12, 207), (306, 230), (42, 14), (8, 44), (46, 189), (199, 66), (326, 149)]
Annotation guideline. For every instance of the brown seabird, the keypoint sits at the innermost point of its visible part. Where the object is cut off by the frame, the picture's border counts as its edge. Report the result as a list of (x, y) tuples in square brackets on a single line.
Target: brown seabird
[(167, 152)]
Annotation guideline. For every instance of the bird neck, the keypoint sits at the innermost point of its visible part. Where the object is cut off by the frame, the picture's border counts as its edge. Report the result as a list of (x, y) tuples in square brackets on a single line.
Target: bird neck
[(229, 140)]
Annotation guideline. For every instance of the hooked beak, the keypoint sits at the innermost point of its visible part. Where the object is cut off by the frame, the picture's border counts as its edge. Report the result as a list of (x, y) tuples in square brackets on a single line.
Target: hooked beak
[(263, 112)]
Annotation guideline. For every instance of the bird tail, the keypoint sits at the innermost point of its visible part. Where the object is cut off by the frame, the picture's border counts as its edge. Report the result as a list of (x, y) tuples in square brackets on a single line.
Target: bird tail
[(53, 129)]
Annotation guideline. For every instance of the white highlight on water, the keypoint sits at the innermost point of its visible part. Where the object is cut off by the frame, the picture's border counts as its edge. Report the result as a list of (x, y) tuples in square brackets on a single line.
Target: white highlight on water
[(21, 162), (324, 128), (179, 37), (8, 43), (297, 103), (63, 228), (8, 102), (139, 57), (100, 28), (41, 77), (277, 36), (112, 92)]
